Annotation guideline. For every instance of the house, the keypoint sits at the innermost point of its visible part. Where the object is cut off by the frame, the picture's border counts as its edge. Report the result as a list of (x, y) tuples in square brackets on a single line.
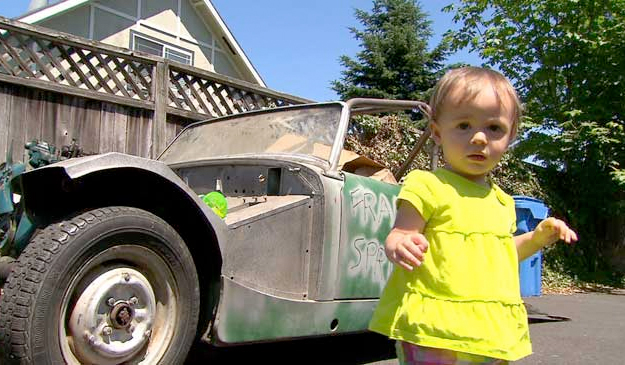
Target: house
[(187, 31)]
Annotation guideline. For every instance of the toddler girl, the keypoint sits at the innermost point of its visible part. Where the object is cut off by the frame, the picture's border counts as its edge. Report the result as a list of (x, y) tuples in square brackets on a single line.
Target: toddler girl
[(454, 296)]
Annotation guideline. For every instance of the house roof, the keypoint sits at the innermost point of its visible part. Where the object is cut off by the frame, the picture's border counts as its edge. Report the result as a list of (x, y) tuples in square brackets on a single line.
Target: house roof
[(205, 9)]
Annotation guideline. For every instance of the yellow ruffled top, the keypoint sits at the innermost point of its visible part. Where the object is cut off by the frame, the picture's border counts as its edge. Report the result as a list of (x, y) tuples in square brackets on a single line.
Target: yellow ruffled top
[(465, 296)]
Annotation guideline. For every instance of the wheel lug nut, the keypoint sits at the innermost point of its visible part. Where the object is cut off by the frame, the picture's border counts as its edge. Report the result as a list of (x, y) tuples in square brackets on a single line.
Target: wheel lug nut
[(133, 301), (106, 331), (110, 302), (90, 338)]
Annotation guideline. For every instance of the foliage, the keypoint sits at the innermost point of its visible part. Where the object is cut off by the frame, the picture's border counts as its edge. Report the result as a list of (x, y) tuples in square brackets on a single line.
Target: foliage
[(566, 59), (516, 177), (394, 62), (388, 140)]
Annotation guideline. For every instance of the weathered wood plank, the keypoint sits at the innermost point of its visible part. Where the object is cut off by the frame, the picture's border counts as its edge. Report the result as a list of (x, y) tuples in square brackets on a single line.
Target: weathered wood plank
[(17, 132), (77, 117), (189, 115), (170, 132), (107, 128), (6, 98), (50, 115), (139, 135), (121, 128), (64, 89), (89, 137), (160, 82), (33, 117), (64, 129)]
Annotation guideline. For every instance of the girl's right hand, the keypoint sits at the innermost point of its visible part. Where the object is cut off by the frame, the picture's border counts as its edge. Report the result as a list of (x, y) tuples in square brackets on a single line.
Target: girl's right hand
[(406, 248)]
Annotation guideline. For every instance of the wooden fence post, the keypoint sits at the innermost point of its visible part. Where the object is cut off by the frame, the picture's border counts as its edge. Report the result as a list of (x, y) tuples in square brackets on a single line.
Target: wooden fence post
[(160, 82)]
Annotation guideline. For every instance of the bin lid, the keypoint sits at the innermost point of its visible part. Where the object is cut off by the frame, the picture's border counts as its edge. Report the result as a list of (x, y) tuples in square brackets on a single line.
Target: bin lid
[(536, 206)]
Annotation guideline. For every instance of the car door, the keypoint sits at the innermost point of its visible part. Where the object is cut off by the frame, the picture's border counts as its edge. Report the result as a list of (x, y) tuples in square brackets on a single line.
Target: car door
[(368, 213)]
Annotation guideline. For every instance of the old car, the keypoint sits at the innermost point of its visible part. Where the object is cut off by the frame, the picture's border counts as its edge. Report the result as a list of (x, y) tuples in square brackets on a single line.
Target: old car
[(113, 258)]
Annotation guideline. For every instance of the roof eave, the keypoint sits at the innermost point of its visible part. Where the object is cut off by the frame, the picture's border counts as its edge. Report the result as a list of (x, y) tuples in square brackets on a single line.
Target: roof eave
[(44, 13), (233, 42)]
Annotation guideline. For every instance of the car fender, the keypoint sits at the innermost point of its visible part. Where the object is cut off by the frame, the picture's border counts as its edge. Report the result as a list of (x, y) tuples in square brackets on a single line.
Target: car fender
[(53, 191)]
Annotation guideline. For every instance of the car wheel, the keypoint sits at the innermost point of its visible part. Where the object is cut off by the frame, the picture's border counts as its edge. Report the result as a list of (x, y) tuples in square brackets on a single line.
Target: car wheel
[(109, 286)]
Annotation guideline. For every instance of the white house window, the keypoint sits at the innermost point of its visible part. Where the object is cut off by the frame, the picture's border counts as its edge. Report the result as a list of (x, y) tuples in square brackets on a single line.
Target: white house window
[(158, 48), (176, 55)]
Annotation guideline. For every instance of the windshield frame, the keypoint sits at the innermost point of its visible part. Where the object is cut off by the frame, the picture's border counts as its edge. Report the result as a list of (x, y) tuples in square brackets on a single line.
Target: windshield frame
[(300, 157), (356, 106)]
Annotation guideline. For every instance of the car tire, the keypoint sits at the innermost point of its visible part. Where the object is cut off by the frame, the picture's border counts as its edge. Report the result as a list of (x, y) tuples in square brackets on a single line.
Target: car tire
[(112, 285)]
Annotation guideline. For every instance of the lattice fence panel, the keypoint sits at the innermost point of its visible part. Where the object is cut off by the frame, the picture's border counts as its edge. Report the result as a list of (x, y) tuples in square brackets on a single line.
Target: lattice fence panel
[(203, 95), (27, 56), (51, 60)]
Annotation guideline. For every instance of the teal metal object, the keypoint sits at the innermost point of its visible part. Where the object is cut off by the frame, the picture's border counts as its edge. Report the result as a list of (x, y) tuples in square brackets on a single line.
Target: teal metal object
[(41, 153), (9, 171), (8, 222), (16, 227)]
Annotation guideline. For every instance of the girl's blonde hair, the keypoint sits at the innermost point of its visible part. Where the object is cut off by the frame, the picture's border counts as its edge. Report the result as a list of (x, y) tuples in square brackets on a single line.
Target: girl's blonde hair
[(467, 77)]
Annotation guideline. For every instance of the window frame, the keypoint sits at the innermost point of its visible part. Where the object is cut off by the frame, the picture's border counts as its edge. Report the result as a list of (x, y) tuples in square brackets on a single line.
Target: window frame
[(166, 45)]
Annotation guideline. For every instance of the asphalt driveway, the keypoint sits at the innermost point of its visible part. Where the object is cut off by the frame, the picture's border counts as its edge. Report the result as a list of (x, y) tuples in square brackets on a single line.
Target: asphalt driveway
[(593, 334), (573, 329)]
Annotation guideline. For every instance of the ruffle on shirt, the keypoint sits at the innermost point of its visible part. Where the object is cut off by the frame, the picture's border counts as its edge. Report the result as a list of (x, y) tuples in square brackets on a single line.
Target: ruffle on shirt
[(490, 329), (477, 266)]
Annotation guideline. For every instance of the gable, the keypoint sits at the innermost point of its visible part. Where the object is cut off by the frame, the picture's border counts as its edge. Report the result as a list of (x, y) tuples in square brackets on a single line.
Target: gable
[(183, 30)]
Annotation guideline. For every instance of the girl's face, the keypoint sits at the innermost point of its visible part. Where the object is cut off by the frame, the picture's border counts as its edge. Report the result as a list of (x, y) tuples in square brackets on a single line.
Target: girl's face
[(474, 133)]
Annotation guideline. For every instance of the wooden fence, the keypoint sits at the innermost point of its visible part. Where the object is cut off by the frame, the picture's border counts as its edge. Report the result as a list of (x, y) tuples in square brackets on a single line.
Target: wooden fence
[(57, 87)]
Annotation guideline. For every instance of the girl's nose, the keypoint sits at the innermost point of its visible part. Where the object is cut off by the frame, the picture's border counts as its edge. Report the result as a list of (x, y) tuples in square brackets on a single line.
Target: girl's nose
[(478, 138)]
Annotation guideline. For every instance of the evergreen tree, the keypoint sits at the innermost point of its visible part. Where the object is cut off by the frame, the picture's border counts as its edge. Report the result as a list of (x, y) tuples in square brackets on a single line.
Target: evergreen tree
[(394, 62)]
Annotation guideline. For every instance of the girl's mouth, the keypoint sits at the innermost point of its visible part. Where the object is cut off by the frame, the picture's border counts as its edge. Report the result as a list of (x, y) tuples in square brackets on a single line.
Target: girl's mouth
[(477, 157)]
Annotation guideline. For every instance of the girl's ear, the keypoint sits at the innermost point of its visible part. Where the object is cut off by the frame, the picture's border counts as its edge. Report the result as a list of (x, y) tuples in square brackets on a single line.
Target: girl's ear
[(436, 135), (513, 135)]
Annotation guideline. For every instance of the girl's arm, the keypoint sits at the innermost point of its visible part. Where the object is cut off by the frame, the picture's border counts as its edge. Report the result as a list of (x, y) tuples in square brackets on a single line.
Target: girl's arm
[(547, 232), (405, 245)]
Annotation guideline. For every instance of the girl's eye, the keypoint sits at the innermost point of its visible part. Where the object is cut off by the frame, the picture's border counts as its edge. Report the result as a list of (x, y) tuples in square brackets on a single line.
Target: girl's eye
[(463, 126), (495, 128)]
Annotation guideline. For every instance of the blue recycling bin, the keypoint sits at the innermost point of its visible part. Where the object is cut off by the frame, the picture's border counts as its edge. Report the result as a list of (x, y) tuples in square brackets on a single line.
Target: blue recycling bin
[(529, 212)]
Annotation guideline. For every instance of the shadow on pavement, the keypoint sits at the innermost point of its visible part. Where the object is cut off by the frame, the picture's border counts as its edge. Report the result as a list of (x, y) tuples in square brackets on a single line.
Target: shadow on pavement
[(535, 315), (345, 350)]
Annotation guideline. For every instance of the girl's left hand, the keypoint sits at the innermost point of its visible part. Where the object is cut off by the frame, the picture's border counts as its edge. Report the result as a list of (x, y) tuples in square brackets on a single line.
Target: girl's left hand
[(551, 230)]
